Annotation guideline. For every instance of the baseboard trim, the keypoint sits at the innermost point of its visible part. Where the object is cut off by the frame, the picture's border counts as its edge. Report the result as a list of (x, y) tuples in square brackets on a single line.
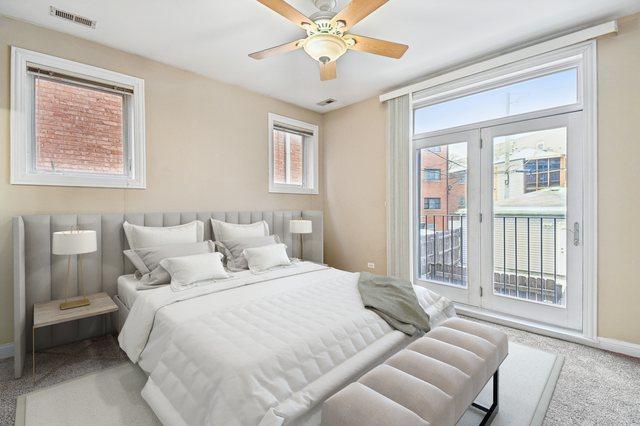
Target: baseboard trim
[(604, 343), (619, 346), (6, 350)]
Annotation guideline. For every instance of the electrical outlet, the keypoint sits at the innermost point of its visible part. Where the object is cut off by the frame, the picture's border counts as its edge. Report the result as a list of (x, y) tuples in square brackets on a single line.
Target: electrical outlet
[(371, 265)]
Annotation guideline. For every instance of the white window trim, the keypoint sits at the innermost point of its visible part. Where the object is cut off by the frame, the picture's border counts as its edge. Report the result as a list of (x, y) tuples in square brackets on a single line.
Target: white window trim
[(493, 62), (310, 157), (583, 55), (21, 120)]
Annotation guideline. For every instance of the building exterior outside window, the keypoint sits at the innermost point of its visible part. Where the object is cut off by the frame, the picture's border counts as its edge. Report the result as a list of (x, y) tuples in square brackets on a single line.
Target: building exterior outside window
[(78, 129)]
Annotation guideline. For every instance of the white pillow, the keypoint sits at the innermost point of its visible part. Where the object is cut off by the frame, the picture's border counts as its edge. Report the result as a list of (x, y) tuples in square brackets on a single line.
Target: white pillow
[(266, 257), (186, 271), (224, 231), (147, 260), (153, 236)]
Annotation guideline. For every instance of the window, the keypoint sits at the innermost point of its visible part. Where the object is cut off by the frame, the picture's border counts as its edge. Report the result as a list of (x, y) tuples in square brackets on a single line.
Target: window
[(432, 203), (293, 156), (543, 92), (543, 173), (74, 124), (432, 174)]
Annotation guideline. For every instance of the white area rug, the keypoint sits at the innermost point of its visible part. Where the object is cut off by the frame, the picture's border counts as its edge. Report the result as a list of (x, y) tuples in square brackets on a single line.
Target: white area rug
[(112, 397), (528, 377)]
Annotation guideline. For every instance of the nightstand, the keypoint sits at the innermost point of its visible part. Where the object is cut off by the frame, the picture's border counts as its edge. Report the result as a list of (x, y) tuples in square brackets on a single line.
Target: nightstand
[(49, 313)]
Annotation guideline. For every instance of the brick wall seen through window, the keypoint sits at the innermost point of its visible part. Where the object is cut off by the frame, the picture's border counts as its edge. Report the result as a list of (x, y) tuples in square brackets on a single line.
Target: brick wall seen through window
[(287, 169), (78, 129)]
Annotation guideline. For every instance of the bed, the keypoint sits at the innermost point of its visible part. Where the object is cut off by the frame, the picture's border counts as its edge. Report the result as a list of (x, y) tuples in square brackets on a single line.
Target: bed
[(262, 349)]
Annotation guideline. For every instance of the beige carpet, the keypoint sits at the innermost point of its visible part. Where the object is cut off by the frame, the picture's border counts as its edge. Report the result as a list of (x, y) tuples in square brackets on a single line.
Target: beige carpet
[(112, 397)]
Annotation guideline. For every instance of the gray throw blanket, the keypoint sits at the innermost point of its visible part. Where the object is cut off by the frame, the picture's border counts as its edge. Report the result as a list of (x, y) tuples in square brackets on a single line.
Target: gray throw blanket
[(395, 301)]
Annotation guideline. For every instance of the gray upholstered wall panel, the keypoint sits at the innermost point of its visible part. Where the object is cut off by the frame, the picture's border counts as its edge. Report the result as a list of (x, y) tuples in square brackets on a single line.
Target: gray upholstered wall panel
[(40, 276)]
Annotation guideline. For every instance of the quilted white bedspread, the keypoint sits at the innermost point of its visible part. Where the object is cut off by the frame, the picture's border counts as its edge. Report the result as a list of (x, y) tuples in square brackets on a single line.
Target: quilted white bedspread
[(254, 350)]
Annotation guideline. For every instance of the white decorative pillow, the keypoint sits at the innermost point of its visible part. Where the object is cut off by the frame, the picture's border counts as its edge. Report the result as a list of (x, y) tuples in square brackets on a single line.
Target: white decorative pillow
[(224, 231), (147, 260), (186, 271), (233, 249), (153, 236), (263, 258)]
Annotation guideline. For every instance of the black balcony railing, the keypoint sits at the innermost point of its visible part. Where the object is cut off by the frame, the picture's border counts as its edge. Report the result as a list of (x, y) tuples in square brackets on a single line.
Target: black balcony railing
[(525, 254), (526, 258)]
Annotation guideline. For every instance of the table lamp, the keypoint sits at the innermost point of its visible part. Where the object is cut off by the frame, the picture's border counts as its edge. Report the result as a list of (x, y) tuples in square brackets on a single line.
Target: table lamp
[(70, 243), (301, 227)]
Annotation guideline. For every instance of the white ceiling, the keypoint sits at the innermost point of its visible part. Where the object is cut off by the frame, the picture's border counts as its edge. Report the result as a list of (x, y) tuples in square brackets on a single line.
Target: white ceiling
[(213, 37)]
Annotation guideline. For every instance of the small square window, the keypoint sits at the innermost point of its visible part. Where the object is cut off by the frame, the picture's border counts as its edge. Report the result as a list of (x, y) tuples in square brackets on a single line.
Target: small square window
[(293, 156), (543, 165), (432, 174), (432, 203), (74, 124)]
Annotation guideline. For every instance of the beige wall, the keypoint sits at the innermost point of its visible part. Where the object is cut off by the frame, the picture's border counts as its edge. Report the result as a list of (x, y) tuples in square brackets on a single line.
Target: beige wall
[(206, 146), (355, 180), (618, 179), (355, 213)]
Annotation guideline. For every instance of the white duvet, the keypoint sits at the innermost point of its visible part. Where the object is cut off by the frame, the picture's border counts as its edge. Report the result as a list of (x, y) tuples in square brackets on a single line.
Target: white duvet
[(252, 350)]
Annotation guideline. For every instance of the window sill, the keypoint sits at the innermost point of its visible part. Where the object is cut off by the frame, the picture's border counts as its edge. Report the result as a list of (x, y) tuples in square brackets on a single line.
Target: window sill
[(299, 191), (73, 181)]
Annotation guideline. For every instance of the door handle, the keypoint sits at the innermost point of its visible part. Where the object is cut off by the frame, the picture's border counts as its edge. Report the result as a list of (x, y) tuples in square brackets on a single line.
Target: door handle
[(576, 233)]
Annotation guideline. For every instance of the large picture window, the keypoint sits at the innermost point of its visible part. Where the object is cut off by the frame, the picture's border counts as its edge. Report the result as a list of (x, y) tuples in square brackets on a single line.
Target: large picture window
[(75, 125)]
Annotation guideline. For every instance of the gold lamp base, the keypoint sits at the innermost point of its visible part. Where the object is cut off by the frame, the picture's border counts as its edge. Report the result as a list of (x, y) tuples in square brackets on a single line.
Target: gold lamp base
[(74, 303)]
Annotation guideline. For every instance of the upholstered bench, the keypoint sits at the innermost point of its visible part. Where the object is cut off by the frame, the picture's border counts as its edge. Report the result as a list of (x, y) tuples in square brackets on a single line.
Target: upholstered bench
[(431, 382)]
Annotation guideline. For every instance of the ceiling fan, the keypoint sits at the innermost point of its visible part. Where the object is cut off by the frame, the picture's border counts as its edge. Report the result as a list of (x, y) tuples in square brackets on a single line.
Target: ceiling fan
[(327, 33)]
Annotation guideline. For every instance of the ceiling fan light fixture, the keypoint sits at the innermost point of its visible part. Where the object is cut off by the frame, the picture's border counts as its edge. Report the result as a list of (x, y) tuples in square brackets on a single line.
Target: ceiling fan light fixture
[(325, 47)]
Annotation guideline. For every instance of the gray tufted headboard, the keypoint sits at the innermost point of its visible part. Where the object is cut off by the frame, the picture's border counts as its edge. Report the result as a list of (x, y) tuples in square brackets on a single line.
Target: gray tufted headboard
[(40, 276)]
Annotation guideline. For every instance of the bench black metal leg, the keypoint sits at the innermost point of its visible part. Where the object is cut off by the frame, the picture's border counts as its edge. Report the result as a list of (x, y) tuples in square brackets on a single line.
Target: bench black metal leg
[(493, 410)]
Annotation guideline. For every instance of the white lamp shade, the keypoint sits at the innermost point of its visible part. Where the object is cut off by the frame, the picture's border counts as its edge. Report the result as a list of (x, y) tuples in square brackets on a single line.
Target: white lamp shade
[(74, 242), (300, 226)]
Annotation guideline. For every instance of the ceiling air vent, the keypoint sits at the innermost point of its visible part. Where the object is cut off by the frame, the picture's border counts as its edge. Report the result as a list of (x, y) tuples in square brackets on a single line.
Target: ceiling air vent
[(72, 17), (326, 102)]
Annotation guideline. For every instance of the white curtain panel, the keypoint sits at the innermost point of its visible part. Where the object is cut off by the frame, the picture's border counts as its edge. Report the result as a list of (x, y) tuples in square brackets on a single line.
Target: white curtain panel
[(398, 188)]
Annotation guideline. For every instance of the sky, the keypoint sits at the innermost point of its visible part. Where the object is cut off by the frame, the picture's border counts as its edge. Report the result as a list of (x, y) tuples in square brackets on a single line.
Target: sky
[(548, 91)]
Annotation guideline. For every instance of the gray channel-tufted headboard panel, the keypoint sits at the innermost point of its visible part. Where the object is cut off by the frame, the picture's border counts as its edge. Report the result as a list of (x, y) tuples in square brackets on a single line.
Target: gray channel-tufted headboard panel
[(40, 276)]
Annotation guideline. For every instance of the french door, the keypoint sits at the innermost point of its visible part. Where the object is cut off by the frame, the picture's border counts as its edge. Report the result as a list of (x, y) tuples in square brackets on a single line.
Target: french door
[(498, 218)]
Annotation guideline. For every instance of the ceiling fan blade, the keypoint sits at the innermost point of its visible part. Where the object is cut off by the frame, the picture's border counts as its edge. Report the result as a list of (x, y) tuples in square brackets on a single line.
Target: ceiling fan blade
[(378, 47), (277, 50), (328, 71), (356, 11), (288, 11)]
